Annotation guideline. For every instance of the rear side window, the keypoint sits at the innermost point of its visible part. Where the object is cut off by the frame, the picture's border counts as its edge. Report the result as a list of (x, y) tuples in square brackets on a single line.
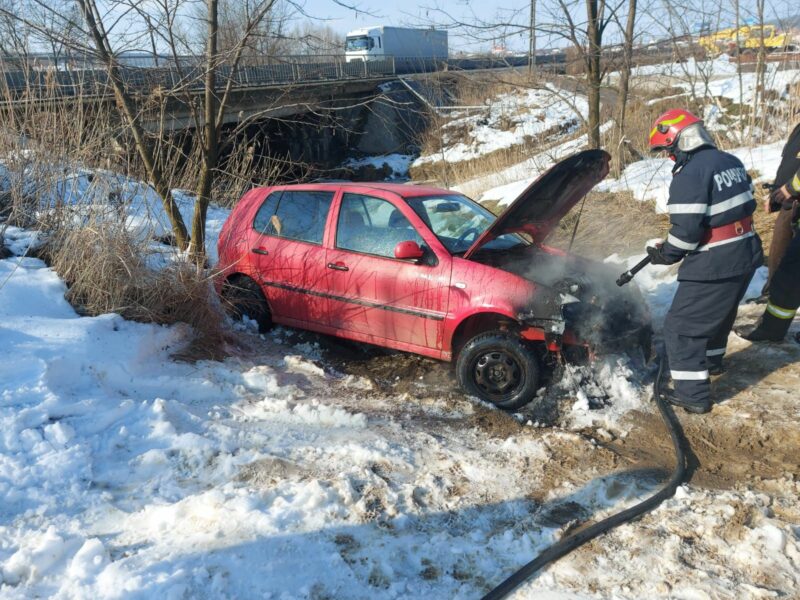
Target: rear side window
[(297, 215), (372, 226), (265, 212)]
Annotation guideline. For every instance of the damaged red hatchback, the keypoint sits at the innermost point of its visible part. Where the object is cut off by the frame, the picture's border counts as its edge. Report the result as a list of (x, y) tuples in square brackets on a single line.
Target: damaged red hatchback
[(429, 271)]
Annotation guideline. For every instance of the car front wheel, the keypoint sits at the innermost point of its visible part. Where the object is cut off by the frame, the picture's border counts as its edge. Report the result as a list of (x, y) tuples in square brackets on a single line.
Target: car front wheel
[(499, 368)]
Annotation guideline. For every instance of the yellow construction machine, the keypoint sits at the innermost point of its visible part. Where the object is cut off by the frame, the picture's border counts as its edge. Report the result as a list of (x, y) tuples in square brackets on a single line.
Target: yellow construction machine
[(747, 38)]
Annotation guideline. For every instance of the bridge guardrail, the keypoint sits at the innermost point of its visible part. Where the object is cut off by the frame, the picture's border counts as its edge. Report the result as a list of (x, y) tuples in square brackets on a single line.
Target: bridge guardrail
[(143, 75)]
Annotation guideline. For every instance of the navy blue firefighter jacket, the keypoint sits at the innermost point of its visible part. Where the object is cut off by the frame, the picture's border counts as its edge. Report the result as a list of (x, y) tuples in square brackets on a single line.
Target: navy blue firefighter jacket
[(710, 188)]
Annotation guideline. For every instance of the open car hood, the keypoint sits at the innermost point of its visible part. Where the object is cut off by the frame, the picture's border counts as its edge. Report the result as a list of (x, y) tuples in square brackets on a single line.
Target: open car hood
[(547, 200)]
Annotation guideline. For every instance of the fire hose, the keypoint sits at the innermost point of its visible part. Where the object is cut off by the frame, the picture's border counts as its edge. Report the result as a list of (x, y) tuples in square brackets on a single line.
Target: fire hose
[(580, 537)]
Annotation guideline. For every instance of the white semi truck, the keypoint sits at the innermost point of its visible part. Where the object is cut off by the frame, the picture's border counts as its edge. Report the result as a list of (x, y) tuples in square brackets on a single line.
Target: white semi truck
[(381, 42)]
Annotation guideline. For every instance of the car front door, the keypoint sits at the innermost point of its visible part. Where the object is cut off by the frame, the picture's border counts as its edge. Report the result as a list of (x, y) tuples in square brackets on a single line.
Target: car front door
[(372, 293), (288, 251)]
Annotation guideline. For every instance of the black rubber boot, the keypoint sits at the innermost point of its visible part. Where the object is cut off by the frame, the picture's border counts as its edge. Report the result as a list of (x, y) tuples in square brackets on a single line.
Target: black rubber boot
[(697, 408), (768, 329)]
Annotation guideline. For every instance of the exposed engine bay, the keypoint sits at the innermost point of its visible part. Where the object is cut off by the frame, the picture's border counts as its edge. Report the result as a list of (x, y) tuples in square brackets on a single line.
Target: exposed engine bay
[(577, 299)]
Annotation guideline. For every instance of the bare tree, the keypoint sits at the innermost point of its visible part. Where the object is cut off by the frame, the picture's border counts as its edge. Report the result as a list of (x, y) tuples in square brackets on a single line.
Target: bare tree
[(532, 41), (315, 39), (14, 34), (127, 107), (624, 78)]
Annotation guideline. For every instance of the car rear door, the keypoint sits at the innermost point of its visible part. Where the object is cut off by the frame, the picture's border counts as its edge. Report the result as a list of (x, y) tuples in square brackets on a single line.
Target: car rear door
[(373, 294), (289, 254)]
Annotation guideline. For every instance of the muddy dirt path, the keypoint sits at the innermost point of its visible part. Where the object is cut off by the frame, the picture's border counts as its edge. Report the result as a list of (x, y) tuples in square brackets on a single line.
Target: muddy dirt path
[(750, 438)]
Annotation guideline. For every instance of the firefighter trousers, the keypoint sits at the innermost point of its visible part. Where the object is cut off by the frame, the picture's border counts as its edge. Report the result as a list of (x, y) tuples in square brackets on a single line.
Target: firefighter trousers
[(784, 291), (782, 235), (696, 331)]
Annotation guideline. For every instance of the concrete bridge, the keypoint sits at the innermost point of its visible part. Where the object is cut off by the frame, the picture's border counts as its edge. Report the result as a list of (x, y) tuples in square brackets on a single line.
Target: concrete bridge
[(259, 88), (314, 109)]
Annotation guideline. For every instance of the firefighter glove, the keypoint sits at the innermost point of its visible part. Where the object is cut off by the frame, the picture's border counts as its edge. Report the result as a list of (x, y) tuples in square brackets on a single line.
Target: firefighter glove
[(778, 198), (656, 254)]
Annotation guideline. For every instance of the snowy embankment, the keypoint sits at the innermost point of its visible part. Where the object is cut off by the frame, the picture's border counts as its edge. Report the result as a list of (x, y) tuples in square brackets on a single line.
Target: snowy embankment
[(650, 179), (511, 119), (717, 78)]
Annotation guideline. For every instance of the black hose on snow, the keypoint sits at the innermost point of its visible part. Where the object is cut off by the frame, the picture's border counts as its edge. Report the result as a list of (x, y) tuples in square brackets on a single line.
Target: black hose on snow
[(577, 539)]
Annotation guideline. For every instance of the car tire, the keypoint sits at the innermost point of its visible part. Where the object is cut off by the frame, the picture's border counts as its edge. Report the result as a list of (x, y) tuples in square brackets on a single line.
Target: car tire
[(242, 296), (499, 368)]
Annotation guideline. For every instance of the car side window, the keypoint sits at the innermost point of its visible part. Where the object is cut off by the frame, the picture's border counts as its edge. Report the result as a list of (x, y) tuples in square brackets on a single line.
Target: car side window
[(372, 226), (300, 215), (265, 212)]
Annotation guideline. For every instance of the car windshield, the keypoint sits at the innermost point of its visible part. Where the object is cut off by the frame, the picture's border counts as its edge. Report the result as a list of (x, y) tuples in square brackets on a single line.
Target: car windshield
[(359, 43), (458, 221)]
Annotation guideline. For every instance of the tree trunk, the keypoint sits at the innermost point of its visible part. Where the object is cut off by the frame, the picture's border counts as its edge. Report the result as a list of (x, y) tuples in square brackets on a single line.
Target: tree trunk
[(532, 42), (593, 72), (127, 107), (210, 137), (761, 70), (624, 82)]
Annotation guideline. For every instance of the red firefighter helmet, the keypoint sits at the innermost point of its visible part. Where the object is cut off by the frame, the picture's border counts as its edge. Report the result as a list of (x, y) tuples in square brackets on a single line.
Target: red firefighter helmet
[(668, 127)]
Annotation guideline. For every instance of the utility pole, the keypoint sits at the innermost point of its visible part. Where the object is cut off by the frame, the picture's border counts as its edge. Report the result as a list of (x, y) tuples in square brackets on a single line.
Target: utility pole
[(532, 41)]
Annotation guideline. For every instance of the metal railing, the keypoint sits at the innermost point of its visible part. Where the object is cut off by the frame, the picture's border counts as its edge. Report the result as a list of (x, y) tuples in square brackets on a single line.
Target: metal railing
[(38, 76)]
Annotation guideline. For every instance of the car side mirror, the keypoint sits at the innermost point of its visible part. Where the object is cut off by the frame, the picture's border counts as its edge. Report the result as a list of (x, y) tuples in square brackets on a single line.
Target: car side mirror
[(408, 250)]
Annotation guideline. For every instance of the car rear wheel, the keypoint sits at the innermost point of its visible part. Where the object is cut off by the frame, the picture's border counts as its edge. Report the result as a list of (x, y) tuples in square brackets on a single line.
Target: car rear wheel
[(243, 297), (499, 368)]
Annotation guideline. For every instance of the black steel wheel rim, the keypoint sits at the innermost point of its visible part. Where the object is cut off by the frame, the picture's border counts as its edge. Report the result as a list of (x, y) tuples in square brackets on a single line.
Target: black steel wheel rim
[(498, 374)]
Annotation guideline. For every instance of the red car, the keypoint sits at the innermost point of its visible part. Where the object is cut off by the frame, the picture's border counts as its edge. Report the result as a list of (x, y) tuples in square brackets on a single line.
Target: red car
[(429, 271)]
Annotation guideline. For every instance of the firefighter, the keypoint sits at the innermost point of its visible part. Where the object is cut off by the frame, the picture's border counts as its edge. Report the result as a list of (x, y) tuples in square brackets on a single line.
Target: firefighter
[(780, 201), (784, 289), (710, 207)]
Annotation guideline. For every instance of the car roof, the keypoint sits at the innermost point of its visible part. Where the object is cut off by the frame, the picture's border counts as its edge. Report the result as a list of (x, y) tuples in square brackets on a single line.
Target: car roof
[(401, 189)]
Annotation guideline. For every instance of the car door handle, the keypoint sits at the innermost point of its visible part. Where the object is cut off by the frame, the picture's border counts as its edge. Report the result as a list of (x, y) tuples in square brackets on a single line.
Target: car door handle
[(338, 267), (260, 251)]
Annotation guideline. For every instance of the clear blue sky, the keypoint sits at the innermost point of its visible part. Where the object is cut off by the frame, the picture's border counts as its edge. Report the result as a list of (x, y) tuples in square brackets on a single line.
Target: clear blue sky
[(423, 13)]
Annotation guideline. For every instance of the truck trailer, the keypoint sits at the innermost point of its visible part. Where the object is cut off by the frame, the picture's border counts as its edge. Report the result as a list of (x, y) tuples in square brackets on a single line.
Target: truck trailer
[(381, 42)]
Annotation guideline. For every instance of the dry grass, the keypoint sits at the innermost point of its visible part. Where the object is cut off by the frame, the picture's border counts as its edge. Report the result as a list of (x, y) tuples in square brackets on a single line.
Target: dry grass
[(610, 222), (450, 174), (105, 270)]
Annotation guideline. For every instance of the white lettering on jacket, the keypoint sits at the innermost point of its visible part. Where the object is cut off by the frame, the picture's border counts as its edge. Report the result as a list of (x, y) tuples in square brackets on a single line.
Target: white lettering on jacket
[(730, 176)]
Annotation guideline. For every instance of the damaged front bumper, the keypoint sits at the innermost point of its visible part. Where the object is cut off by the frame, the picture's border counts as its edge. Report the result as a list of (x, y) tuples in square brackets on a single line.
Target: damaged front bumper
[(569, 316)]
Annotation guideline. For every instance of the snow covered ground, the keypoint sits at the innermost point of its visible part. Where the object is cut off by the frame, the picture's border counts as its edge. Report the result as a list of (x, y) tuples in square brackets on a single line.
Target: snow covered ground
[(126, 474)]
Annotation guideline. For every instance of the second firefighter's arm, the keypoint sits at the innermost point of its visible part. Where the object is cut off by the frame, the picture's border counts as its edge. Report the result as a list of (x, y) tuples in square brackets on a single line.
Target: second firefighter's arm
[(785, 196), (793, 186)]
